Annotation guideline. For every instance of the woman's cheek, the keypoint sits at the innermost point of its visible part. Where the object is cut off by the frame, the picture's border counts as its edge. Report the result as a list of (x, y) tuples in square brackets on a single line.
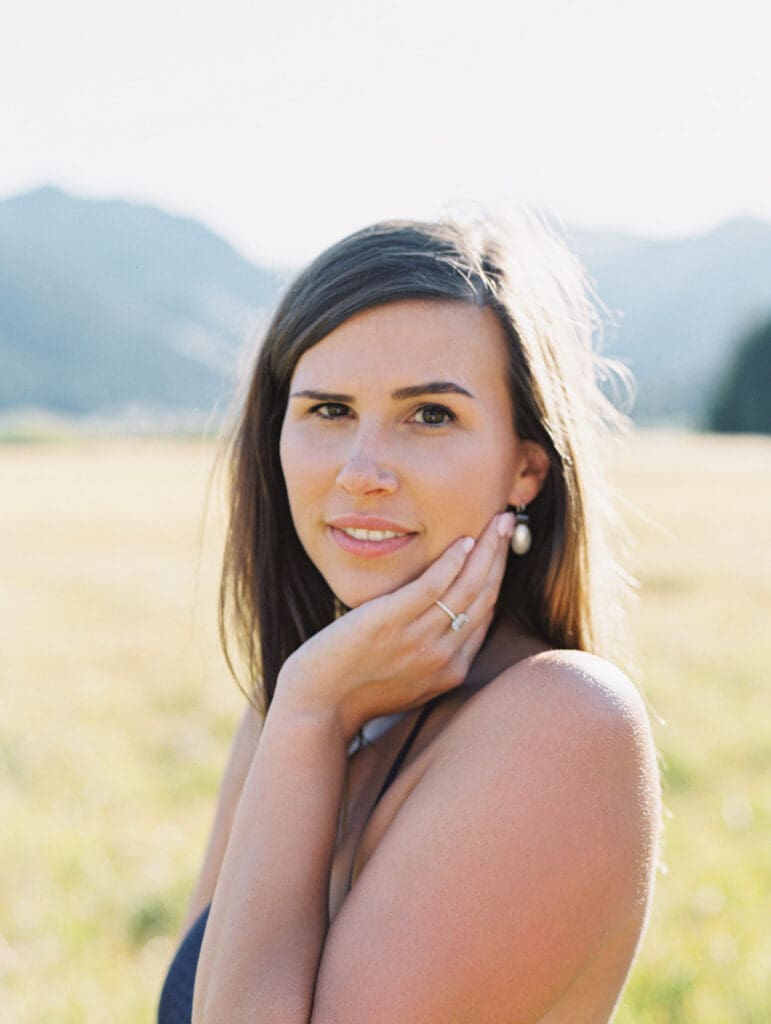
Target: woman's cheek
[(301, 458)]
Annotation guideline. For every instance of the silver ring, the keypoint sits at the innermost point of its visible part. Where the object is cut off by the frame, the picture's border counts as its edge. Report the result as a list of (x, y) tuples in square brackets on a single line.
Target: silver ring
[(458, 621)]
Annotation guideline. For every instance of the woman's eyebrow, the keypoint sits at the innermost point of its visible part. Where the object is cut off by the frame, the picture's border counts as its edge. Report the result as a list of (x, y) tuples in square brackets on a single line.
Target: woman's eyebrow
[(434, 387)]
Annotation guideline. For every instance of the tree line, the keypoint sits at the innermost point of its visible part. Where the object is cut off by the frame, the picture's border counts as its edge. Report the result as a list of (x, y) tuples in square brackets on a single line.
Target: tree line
[(742, 399)]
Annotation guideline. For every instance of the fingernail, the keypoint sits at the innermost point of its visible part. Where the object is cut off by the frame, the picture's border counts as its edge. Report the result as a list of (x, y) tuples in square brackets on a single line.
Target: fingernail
[(468, 544), (505, 524)]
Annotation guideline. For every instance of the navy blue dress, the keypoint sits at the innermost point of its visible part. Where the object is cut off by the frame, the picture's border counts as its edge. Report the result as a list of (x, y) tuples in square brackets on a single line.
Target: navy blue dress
[(176, 1005)]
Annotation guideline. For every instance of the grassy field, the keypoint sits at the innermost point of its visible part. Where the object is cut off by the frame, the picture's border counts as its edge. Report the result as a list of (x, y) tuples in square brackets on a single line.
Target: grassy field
[(116, 713)]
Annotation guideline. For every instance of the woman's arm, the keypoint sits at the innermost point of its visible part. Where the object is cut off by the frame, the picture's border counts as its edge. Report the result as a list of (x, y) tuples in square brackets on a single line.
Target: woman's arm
[(269, 915), (241, 755)]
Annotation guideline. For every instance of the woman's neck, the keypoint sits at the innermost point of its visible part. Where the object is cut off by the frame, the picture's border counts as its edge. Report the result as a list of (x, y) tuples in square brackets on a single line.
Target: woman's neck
[(505, 644)]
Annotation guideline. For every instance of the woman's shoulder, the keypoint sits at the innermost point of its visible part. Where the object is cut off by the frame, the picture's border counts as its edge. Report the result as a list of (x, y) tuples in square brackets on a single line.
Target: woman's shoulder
[(569, 723), (560, 744), (561, 688), (585, 680), (524, 845)]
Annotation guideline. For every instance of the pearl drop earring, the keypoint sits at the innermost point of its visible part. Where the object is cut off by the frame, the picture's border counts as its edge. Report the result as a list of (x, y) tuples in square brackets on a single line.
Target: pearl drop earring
[(521, 538)]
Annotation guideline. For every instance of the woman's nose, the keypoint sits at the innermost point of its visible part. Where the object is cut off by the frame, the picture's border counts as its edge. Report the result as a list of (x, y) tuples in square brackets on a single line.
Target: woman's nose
[(362, 475)]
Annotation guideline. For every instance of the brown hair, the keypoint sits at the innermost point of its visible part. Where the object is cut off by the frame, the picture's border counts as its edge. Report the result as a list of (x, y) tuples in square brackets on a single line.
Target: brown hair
[(566, 588)]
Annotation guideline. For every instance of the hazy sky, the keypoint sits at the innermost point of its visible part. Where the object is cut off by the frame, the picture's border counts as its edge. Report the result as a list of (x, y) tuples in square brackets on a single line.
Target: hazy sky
[(284, 125)]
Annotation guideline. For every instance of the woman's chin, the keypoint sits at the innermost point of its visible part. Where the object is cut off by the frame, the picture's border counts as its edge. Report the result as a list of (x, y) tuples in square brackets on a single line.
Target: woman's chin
[(353, 599), (352, 595)]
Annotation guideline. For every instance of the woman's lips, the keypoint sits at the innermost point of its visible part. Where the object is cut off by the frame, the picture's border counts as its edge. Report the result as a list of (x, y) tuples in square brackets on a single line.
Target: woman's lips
[(368, 548)]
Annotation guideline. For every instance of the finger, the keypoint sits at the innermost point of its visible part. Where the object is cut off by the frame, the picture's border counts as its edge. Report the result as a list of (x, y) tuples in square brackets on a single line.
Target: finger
[(470, 595), (484, 569), (474, 640), (489, 591), (415, 597), (459, 659)]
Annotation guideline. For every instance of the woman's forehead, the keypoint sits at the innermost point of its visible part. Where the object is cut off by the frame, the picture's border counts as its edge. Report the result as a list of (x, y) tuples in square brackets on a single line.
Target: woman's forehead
[(408, 342)]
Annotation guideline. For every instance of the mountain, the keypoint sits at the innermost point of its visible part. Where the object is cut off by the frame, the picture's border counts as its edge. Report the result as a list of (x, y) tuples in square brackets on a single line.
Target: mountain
[(108, 306), (680, 306)]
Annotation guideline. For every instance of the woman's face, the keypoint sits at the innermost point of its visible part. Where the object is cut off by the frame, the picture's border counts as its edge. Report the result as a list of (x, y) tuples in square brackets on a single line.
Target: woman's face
[(400, 421)]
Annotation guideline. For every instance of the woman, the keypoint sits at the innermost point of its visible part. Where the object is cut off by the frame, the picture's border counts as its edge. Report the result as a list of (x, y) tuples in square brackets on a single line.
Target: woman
[(448, 809)]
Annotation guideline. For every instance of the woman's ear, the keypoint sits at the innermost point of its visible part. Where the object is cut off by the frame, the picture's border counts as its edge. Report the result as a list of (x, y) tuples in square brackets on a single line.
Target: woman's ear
[(532, 470)]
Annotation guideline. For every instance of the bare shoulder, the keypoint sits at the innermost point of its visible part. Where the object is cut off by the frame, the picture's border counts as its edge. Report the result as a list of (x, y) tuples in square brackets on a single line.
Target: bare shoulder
[(563, 701), (587, 682), (573, 730), (565, 682), (572, 716), (521, 857)]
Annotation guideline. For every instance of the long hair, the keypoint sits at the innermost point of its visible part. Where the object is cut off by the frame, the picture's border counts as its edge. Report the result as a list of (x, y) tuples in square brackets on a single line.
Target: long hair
[(567, 588)]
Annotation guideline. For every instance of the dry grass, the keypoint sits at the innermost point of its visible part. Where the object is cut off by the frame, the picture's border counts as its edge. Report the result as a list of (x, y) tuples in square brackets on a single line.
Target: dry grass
[(117, 712)]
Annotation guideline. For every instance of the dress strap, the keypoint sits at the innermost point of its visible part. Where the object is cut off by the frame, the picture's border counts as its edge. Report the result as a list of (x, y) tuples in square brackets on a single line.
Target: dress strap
[(405, 748), (398, 762)]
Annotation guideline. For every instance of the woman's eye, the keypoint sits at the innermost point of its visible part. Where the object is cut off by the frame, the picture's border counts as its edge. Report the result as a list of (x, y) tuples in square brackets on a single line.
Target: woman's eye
[(434, 415), (330, 411)]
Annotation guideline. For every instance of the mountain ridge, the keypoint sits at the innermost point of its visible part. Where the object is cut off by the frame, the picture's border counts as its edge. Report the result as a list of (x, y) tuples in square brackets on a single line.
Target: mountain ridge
[(108, 304)]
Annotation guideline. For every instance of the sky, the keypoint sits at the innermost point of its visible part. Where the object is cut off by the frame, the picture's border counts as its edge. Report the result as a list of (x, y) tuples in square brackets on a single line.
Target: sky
[(284, 125)]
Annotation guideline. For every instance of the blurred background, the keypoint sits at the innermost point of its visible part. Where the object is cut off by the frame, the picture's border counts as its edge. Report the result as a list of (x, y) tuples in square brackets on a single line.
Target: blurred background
[(164, 169)]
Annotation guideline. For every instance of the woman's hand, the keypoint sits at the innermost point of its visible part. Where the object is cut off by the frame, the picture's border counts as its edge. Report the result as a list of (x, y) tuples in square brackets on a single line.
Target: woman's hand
[(397, 651)]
